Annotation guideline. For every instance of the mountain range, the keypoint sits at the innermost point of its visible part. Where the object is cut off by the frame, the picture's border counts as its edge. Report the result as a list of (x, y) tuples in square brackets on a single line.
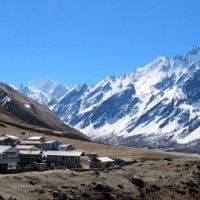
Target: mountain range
[(155, 106)]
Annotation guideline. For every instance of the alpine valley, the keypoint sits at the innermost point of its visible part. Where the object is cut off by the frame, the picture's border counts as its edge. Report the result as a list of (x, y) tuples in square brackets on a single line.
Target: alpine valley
[(156, 106)]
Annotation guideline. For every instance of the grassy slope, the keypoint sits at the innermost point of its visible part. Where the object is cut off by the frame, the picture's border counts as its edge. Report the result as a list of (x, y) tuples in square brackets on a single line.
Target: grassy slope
[(176, 179)]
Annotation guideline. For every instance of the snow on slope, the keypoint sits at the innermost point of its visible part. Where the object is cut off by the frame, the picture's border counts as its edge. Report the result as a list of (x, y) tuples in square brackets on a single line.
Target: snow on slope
[(159, 101)]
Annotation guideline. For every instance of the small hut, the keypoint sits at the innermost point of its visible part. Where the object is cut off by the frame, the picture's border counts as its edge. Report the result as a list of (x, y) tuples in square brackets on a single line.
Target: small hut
[(102, 162)]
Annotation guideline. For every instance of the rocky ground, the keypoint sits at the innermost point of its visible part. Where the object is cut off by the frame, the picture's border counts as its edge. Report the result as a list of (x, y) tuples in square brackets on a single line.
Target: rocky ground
[(156, 175), (163, 177)]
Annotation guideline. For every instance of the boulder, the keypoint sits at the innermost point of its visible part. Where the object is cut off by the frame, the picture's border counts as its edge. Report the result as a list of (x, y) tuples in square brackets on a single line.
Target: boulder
[(193, 191), (137, 181), (181, 191), (167, 159), (66, 186), (109, 196), (120, 186), (56, 194), (152, 188), (1, 197), (96, 172), (74, 187), (102, 188)]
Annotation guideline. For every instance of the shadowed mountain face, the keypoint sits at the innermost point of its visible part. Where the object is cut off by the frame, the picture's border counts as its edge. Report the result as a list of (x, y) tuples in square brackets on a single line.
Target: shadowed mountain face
[(157, 105), (21, 109)]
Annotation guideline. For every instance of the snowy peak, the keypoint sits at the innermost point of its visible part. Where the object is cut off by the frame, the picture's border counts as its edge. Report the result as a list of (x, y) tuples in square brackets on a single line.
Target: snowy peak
[(195, 51), (45, 85), (156, 105), (191, 58), (59, 90), (43, 90)]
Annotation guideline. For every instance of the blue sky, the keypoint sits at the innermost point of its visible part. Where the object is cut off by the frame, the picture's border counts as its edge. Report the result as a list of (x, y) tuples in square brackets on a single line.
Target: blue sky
[(82, 41)]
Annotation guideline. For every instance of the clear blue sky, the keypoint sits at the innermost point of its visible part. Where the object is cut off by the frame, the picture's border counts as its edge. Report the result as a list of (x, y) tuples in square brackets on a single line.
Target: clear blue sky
[(82, 41)]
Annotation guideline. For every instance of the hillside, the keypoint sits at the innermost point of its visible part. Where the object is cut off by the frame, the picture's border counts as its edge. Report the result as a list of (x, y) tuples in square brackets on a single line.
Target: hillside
[(165, 176), (22, 112)]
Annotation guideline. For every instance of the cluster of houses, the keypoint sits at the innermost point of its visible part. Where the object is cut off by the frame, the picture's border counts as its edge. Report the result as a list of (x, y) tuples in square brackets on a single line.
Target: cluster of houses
[(38, 153)]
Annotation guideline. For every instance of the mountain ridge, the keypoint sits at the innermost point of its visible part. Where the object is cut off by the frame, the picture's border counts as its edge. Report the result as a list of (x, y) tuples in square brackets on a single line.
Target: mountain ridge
[(158, 102), (23, 112)]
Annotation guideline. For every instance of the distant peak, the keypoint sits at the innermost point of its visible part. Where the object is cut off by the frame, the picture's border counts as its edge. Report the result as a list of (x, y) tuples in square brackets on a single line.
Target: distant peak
[(192, 56), (42, 81), (47, 80), (107, 79), (161, 59), (45, 85), (112, 78), (80, 86), (194, 51), (157, 63)]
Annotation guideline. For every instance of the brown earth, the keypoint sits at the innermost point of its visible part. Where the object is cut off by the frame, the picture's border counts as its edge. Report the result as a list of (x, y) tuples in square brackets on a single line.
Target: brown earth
[(165, 176)]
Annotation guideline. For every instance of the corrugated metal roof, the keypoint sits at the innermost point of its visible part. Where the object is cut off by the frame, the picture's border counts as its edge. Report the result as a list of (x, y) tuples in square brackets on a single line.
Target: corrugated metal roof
[(105, 159), (49, 142), (65, 145), (24, 152), (25, 147), (64, 153), (13, 137), (4, 148), (31, 142), (53, 153), (126, 159), (2, 138), (35, 137)]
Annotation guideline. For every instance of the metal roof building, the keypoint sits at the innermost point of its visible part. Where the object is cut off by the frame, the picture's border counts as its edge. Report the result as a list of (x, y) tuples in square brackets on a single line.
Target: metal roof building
[(36, 138), (105, 159), (27, 147), (64, 153)]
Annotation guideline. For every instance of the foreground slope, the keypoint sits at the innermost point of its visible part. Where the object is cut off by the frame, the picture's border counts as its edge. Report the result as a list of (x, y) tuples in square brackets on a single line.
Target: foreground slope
[(165, 177), (154, 106), (20, 111)]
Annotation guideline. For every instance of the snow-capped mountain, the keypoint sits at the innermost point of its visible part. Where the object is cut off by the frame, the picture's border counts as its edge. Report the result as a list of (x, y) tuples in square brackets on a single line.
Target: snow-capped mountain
[(156, 105), (43, 90)]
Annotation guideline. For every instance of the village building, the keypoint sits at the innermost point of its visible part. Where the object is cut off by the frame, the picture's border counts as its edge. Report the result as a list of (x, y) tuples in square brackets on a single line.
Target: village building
[(9, 158), (27, 148), (37, 144), (93, 156), (40, 166), (8, 141), (66, 147), (13, 137), (37, 138), (101, 162), (51, 145), (124, 161), (28, 158), (69, 159)]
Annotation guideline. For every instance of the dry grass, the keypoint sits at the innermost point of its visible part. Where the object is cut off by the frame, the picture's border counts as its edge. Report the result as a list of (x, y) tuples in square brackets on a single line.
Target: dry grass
[(172, 177), (169, 178)]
